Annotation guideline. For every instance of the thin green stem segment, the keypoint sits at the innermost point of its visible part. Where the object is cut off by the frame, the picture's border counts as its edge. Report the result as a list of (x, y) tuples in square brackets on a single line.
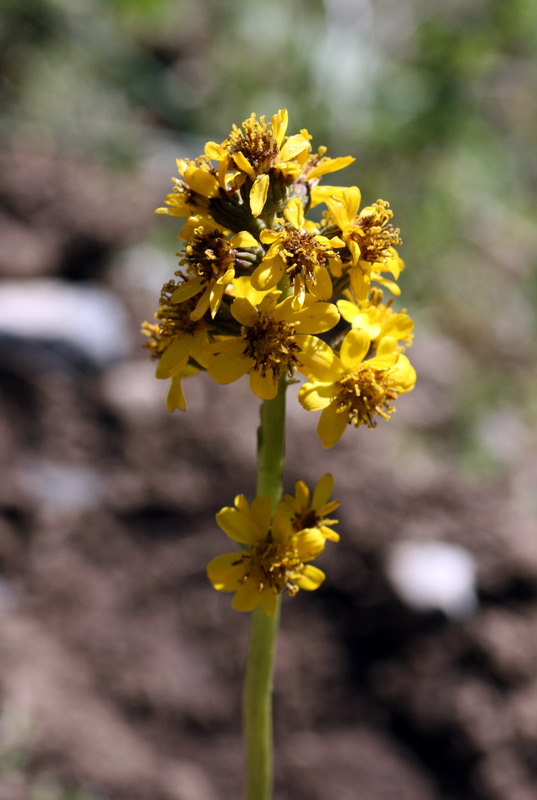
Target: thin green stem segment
[(257, 692)]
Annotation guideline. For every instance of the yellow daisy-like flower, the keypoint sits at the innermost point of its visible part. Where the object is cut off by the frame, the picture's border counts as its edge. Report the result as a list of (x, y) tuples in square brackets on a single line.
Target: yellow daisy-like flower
[(275, 340), (258, 149), (351, 390), (175, 339), (275, 558), (377, 319), (305, 514), (369, 237), (301, 252), (210, 262), (192, 195)]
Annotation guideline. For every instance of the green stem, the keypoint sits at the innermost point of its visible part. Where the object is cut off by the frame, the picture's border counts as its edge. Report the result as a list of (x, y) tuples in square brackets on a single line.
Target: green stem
[(257, 692)]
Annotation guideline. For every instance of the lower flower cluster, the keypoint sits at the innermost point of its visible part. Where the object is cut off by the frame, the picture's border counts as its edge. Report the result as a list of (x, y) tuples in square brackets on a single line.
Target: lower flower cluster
[(276, 548)]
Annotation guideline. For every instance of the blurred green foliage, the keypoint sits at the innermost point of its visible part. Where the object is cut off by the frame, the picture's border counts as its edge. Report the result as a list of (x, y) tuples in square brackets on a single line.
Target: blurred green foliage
[(437, 101)]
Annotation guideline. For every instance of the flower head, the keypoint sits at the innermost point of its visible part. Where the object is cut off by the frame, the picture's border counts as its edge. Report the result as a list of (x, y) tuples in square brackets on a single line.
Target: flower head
[(300, 251), (273, 338), (350, 389), (369, 237), (377, 319), (306, 513), (174, 340), (209, 259), (274, 556)]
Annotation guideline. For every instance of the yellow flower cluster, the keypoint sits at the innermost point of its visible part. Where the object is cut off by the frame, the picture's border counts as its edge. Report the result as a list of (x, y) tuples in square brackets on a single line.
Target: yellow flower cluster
[(276, 548), (258, 282)]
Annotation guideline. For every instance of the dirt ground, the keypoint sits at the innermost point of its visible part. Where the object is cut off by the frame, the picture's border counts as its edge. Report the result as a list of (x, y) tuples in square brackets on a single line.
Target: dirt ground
[(123, 663)]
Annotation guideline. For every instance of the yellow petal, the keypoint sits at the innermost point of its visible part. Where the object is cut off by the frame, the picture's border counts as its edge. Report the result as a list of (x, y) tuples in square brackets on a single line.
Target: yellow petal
[(294, 145), (354, 349), (268, 274), (175, 353), (263, 386), (316, 318), (261, 510), (294, 213), (244, 165), (302, 494), (243, 311), (322, 288), (187, 290), (329, 534), (330, 165), (323, 490), (268, 237), (311, 578), (347, 310), (237, 526), (226, 367), (201, 306), (360, 283), (331, 426), (201, 181), (176, 399), (403, 375), (318, 360), (243, 239), (215, 151), (316, 396), (247, 597), (225, 572), (258, 194), (279, 123), (309, 543)]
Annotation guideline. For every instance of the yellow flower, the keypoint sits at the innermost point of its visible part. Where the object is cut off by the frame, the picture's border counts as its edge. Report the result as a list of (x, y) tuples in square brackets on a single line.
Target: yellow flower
[(274, 341), (175, 339), (351, 390), (305, 515), (318, 164), (258, 149), (369, 237), (301, 252), (210, 262), (378, 320), (192, 194), (274, 560)]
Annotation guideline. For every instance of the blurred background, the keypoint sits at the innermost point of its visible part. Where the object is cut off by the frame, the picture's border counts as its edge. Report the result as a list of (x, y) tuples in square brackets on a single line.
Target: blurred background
[(412, 673)]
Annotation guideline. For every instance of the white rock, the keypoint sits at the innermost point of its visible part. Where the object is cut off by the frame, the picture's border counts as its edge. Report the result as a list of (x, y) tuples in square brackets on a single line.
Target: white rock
[(433, 576), (88, 317)]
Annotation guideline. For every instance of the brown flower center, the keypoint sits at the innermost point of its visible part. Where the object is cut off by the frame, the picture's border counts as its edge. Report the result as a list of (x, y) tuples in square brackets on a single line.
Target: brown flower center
[(173, 320), (268, 563), (256, 143), (272, 346), (303, 254), (374, 233), (363, 394), (208, 255)]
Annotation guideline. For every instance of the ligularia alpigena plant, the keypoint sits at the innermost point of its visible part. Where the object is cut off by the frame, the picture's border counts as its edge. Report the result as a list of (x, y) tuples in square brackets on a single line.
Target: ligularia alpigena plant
[(257, 284)]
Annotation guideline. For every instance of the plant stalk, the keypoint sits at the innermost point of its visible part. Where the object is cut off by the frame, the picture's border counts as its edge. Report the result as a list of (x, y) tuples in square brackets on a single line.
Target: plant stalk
[(257, 692)]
